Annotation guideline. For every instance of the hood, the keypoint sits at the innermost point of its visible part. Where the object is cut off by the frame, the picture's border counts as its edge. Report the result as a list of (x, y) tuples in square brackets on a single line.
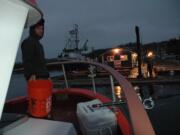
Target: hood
[(32, 29)]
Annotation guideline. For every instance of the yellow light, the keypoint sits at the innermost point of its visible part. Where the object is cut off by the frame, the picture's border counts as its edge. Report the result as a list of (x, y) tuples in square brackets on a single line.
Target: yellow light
[(116, 50), (134, 55), (150, 54), (118, 91)]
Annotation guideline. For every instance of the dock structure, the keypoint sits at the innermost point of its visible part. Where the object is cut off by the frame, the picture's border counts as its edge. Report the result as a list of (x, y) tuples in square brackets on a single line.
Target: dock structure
[(166, 68), (106, 81)]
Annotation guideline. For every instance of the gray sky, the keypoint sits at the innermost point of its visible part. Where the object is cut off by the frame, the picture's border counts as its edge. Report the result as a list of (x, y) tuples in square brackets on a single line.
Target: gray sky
[(107, 23)]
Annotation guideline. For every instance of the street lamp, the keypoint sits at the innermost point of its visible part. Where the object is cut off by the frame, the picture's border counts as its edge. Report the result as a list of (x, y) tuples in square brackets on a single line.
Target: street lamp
[(134, 55), (134, 59), (150, 55)]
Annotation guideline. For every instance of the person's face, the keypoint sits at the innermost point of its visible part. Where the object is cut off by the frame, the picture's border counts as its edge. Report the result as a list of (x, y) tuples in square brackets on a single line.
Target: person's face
[(39, 30)]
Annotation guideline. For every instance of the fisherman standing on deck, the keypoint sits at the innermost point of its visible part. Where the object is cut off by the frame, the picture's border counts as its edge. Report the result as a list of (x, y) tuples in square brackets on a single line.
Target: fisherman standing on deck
[(33, 54), (36, 73)]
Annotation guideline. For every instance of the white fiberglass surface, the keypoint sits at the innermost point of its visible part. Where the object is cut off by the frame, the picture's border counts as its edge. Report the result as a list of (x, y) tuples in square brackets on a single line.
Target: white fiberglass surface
[(43, 127), (34, 14), (13, 17)]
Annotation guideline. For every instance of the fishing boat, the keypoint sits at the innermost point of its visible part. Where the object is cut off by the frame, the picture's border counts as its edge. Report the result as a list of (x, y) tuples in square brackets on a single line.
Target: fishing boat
[(75, 111), (72, 51)]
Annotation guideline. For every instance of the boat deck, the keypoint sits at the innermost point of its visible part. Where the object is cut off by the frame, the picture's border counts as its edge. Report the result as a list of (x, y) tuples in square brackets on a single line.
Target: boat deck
[(164, 116), (63, 108)]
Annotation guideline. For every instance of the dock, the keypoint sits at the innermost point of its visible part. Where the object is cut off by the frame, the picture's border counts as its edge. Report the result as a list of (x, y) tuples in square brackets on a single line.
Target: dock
[(106, 81)]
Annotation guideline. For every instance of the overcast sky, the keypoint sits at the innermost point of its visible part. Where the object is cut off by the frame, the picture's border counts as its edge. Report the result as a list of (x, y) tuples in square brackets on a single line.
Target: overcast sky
[(107, 23)]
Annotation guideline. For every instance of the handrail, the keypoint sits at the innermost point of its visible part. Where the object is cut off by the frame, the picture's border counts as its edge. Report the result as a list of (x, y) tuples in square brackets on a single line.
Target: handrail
[(112, 88), (65, 78), (92, 75), (141, 124)]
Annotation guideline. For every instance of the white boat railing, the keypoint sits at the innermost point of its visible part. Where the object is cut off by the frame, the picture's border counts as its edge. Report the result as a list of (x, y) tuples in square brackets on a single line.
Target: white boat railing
[(65, 78), (92, 75), (112, 88)]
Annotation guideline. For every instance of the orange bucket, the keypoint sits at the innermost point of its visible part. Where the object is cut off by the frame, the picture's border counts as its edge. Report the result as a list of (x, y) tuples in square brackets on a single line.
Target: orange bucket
[(40, 98)]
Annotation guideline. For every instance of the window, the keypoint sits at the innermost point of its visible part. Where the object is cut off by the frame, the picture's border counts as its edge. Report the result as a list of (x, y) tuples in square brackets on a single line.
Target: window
[(110, 58)]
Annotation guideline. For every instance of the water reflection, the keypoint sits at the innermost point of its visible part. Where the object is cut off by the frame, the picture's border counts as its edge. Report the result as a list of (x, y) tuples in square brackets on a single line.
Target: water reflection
[(18, 85)]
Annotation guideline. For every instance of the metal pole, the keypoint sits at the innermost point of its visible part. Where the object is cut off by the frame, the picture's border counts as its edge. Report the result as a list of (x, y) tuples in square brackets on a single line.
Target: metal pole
[(138, 51), (76, 36), (92, 75), (94, 87), (65, 78), (112, 88)]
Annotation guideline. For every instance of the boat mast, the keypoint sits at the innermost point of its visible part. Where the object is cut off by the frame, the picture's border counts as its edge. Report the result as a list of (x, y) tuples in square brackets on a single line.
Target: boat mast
[(72, 44), (76, 36), (73, 41)]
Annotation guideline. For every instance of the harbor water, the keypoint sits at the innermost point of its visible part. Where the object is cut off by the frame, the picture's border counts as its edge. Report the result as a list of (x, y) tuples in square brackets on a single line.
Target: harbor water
[(18, 85)]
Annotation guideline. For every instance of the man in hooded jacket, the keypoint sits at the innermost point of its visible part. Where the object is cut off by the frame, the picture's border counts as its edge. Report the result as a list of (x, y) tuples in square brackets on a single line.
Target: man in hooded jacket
[(33, 54)]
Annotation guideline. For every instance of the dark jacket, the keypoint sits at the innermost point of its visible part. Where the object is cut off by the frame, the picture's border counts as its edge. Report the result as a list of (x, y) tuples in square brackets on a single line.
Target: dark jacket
[(33, 58)]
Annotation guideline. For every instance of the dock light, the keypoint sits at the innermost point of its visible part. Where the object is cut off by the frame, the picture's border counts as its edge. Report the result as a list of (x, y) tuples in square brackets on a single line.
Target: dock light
[(150, 54), (116, 50), (118, 91), (134, 55)]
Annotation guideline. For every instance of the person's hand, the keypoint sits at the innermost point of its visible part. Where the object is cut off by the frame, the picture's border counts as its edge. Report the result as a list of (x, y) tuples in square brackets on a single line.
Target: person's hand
[(32, 78)]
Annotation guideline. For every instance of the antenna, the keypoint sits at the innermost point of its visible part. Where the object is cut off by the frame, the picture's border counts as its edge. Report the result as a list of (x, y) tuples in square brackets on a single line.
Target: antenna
[(73, 42), (77, 36)]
